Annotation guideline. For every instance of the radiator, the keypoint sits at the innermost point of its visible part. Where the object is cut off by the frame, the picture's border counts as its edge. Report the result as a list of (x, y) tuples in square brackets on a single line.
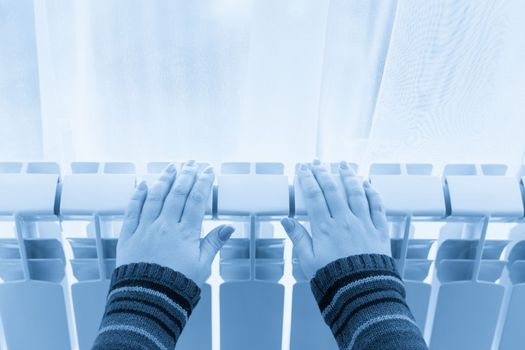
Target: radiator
[(457, 237)]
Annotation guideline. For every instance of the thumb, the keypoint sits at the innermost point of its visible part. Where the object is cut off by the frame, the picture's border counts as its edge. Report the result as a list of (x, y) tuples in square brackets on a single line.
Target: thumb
[(299, 236), (213, 242)]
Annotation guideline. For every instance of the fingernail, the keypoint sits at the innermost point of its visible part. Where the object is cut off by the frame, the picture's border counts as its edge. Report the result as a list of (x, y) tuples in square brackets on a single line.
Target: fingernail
[(344, 165), (142, 185), (226, 232), (208, 170), (316, 161), (191, 163), (288, 224)]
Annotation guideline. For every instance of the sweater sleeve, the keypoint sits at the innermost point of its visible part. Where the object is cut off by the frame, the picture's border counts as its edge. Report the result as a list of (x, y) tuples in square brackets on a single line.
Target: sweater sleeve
[(147, 308), (362, 299)]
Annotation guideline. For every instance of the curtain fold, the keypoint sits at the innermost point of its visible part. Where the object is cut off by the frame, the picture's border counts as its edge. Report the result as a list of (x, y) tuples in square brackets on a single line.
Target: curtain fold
[(357, 43), (452, 88)]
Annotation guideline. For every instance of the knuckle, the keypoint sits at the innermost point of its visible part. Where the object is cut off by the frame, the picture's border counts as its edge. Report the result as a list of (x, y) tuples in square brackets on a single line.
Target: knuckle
[(131, 215), (164, 178), (304, 177), (377, 207), (349, 175), (355, 192), (186, 232), (312, 192), (352, 182), (375, 203), (197, 196), (324, 227), (164, 228), (346, 225), (180, 189), (187, 171), (372, 191), (137, 196), (155, 196), (329, 186)]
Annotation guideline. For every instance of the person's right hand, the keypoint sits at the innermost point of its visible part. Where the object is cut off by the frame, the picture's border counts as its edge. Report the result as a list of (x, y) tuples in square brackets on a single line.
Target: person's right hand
[(342, 224)]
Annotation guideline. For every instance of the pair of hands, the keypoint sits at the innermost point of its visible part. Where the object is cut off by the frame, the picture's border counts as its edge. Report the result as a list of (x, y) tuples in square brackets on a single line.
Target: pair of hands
[(163, 224)]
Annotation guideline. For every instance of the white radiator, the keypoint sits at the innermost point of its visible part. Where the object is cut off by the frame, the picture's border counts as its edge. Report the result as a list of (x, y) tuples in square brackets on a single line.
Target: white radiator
[(457, 237)]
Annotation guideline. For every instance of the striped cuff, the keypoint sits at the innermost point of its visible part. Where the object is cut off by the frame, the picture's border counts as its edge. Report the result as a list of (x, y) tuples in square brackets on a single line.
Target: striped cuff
[(148, 305), (362, 299)]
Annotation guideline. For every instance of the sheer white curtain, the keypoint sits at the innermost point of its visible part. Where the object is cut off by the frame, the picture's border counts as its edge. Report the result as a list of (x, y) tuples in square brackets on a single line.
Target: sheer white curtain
[(453, 88), (283, 80), (20, 118)]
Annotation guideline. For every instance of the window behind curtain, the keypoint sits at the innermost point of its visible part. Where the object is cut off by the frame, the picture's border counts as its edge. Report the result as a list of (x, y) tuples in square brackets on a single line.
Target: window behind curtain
[(438, 81)]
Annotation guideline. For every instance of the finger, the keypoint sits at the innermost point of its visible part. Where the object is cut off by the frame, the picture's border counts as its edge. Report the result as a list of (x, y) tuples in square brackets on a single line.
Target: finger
[(314, 200), (132, 216), (355, 193), (213, 242), (377, 210), (176, 199), (334, 198), (300, 238), (157, 195), (197, 201)]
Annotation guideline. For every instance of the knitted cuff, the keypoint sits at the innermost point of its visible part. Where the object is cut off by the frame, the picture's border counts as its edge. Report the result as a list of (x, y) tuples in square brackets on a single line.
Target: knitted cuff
[(334, 271), (165, 276)]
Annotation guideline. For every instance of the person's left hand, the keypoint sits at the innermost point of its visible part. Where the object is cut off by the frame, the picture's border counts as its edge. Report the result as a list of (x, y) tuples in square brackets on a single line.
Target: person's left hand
[(163, 225)]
